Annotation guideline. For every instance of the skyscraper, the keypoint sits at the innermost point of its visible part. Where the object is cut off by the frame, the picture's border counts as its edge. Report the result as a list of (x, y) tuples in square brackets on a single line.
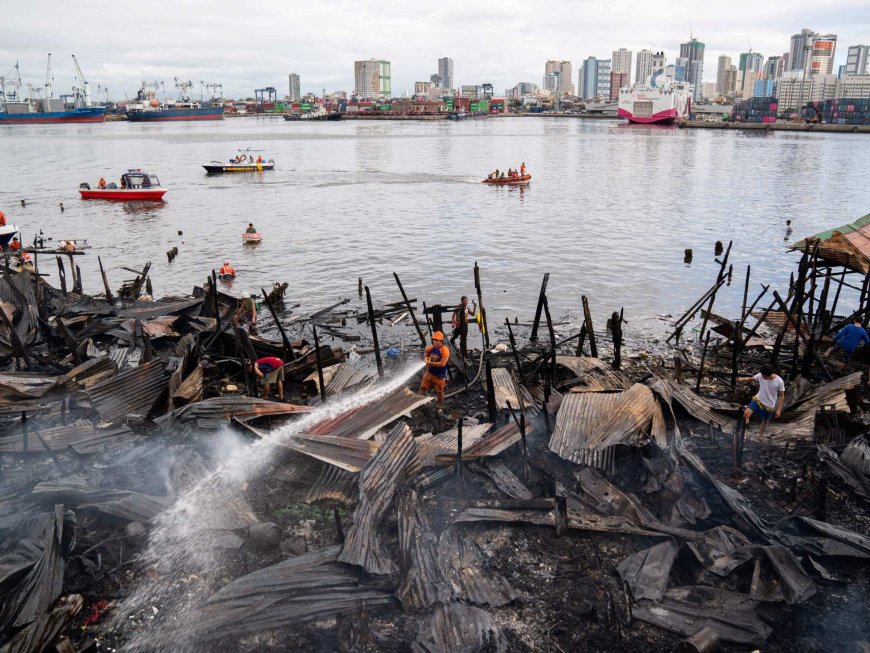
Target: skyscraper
[(693, 50), (603, 86), (857, 60), (445, 72), (658, 60), (621, 61), (724, 64), (558, 77), (372, 79), (773, 67), (751, 61), (681, 69), (617, 81), (295, 87), (644, 66), (729, 81), (589, 78), (820, 55), (797, 53)]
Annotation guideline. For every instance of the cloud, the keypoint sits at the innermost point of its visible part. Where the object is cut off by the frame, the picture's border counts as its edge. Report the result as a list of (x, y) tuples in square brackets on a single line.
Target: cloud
[(252, 45)]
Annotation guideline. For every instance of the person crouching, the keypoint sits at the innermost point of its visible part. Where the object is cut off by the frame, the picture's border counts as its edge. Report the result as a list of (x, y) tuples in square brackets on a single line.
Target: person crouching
[(270, 370)]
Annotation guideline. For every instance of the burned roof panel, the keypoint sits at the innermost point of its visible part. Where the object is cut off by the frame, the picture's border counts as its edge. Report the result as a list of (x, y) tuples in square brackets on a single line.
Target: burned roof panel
[(364, 421), (131, 393)]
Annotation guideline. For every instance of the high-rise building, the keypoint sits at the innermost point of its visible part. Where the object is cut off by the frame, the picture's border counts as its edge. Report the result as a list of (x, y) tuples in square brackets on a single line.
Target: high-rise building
[(603, 86), (853, 86), (621, 62), (795, 89), (643, 67), (295, 88), (681, 68), (751, 61), (658, 60), (589, 78), (797, 53), (435, 80), (820, 56), (724, 64), (729, 81), (617, 81), (372, 79), (558, 77), (693, 50), (445, 72), (773, 68), (857, 60)]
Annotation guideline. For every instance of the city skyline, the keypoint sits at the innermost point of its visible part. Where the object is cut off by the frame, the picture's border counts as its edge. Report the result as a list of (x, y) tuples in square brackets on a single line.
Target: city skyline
[(193, 45)]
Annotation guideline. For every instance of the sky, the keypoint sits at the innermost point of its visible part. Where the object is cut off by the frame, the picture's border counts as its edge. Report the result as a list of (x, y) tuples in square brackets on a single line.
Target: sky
[(247, 45)]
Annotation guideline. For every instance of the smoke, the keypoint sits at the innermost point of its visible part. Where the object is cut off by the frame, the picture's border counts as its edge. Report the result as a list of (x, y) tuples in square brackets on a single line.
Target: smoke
[(182, 540)]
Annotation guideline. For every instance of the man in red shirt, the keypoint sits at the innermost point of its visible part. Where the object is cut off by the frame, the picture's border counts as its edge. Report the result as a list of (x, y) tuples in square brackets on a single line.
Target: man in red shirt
[(270, 370)]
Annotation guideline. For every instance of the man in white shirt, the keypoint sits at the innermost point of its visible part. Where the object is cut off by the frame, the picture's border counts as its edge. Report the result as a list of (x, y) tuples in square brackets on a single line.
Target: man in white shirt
[(767, 403)]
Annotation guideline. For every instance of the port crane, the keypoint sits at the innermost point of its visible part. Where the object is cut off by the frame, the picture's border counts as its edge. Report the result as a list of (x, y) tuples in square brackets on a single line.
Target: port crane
[(86, 89), (48, 79), (215, 89), (184, 89), (15, 82)]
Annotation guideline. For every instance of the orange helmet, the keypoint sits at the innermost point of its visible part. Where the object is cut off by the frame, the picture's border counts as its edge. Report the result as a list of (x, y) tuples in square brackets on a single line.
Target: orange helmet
[(438, 336)]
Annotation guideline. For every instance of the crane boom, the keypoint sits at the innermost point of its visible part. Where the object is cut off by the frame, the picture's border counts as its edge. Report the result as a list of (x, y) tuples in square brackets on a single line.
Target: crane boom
[(86, 90), (48, 80)]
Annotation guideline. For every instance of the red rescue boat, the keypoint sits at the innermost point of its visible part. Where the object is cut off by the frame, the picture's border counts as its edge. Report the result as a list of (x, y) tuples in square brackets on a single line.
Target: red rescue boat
[(509, 181), (135, 185)]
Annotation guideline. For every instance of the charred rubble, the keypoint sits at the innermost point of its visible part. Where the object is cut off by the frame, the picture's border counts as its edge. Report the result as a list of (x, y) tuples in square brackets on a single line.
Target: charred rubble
[(586, 489)]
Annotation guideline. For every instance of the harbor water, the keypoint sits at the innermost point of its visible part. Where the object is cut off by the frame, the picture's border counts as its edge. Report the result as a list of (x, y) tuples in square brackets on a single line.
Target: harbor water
[(609, 212)]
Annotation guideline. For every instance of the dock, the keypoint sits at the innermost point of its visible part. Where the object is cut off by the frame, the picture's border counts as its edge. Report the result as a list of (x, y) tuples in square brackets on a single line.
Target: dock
[(777, 126)]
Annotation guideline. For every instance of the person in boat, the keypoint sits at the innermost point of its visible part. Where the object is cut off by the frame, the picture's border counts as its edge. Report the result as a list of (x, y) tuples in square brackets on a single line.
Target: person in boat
[(251, 229), (15, 245), (523, 169), (494, 175), (2, 219), (269, 370), (25, 259), (260, 158), (101, 183), (435, 377), (123, 182), (227, 270), (502, 176)]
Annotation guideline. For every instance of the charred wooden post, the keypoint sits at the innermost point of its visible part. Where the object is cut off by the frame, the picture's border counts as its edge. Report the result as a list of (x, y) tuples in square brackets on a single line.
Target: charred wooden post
[(735, 349), (288, 348), (339, 528), (411, 311), (541, 295), (61, 274), (590, 331), (701, 366), (836, 298), (690, 313), (377, 347), (72, 271), (561, 513), (109, 298), (359, 287), (546, 412), (513, 345), (717, 248), (483, 324), (678, 369), (320, 383), (490, 392), (17, 346), (246, 367), (214, 300), (437, 318), (521, 425), (551, 375), (458, 468), (687, 256), (822, 307), (67, 339), (719, 279), (78, 284), (616, 331), (581, 338), (745, 293)]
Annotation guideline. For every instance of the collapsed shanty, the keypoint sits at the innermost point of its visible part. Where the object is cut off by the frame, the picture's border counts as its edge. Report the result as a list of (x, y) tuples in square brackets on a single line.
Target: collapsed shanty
[(583, 490)]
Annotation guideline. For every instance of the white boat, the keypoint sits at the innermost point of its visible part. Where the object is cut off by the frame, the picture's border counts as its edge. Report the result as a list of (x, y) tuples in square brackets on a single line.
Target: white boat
[(659, 100)]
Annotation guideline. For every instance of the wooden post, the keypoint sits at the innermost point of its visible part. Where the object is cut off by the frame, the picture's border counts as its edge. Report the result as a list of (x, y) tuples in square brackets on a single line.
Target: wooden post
[(513, 345), (483, 324), (561, 512), (240, 352), (72, 271), (288, 348), (374, 332), (719, 280), (710, 305), (616, 330), (590, 331), (411, 311), (551, 375), (745, 293), (540, 307), (321, 384), (735, 349), (109, 299), (61, 273), (68, 340), (458, 469), (701, 366), (15, 341), (581, 337), (359, 287), (490, 393)]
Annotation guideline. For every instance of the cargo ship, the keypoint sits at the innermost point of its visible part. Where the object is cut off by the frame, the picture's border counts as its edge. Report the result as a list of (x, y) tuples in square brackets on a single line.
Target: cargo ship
[(659, 100), (147, 108), (15, 110)]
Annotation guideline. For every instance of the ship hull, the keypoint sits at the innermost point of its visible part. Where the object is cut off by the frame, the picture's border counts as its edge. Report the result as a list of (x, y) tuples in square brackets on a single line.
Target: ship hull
[(123, 194), (90, 114), (171, 115), (665, 117)]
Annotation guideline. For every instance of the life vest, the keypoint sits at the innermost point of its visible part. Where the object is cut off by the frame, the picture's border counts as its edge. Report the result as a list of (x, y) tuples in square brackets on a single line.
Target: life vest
[(227, 269), (15, 245), (2, 219), (26, 258), (436, 353), (102, 183)]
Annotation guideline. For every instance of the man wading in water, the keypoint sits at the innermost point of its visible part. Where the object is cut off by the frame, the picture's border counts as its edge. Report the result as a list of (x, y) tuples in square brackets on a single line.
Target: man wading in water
[(767, 403)]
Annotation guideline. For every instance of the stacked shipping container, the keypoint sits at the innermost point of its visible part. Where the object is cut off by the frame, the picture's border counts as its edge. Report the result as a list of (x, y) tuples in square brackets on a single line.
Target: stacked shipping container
[(756, 109), (843, 111)]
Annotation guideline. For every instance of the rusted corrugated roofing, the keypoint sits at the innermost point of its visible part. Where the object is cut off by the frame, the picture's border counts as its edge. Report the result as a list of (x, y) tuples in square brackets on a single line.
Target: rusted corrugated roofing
[(490, 445), (423, 583), (82, 438), (597, 421), (149, 310), (131, 393), (430, 446), (594, 374), (459, 628), (378, 483), (190, 389), (217, 411), (505, 389), (349, 454), (363, 422), (695, 405), (333, 484), (466, 573), (848, 245)]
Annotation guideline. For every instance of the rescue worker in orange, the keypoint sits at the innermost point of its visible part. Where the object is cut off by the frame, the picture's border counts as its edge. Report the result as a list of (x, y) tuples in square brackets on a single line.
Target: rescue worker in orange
[(227, 269), (435, 378), (2, 219), (15, 245), (523, 169), (259, 158), (102, 182)]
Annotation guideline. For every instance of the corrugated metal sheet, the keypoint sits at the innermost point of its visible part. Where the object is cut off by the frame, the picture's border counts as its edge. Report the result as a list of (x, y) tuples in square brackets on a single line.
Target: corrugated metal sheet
[(597, 421), (458, 628), (82, 438), (695, 405), (160, 327), (363, 422), (131, 393), (505, 389), (334, 484), (378, 483), (423, 582), (505, 479), (848, 245), (149, 310), (490, 445), (467, 574), (349, 454), (432, 445), (595, 375), (18, 290), (190, 389), (218, 411)]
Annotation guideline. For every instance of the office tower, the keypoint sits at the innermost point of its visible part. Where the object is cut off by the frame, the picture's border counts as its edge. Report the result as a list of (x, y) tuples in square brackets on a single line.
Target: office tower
[(372, 79), (681, 69), (724, 65), (603, 86), (589, 78), (820, 54), (295, 87), (773, 67), (693, 50), (751, 61), (617, 81), (797, 53), (445, 72), (621, 62), (643, 67), (857, 60), (557, 77)]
